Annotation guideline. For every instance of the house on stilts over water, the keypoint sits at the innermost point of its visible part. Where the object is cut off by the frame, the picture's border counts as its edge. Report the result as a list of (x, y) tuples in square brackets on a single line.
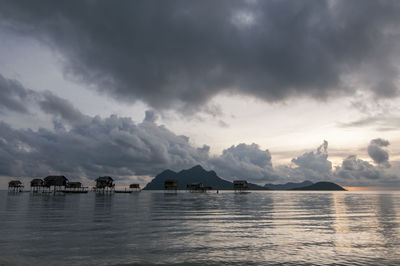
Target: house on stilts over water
[(75, 187), (57, 182), (197, 187), (37, 184), (15, 186), (171, 185), (104, 184), (135, 187), (240, 185)]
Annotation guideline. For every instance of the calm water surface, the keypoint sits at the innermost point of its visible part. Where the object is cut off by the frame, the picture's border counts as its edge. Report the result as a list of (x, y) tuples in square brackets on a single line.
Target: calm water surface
[(259, 228)]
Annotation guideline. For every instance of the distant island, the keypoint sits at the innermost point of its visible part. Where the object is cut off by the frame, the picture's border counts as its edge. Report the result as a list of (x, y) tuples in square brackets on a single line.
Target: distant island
[(288, 186), (320, 186), (196, 174)]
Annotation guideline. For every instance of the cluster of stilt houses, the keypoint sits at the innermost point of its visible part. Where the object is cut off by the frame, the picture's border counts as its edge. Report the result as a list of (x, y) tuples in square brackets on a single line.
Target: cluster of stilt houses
[(172, 185), (53, 184), (105, 184)]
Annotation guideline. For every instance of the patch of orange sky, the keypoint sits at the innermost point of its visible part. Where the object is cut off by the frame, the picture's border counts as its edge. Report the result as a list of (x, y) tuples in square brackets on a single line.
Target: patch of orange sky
[(370, 188)]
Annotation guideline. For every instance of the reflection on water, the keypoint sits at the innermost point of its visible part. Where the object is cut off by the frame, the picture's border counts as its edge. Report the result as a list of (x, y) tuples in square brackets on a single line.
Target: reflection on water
[(200, 228)]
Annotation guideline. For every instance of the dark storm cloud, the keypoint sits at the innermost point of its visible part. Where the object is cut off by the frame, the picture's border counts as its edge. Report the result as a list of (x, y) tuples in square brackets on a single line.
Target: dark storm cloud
[(244, 162), (317, 161), (313, 166), (82, 146), (56, 106), (377, 153), (13, 96), (114, 145), (179, 54), (150, 116), (354, 169)]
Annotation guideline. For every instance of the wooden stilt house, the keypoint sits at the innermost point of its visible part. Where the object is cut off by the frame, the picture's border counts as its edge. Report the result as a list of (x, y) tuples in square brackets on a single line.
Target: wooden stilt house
[(37, 184), (15, 186), (104, 184)]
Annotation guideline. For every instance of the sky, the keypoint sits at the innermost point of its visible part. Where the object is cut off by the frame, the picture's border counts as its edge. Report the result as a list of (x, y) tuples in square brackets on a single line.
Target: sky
[(268, 91)]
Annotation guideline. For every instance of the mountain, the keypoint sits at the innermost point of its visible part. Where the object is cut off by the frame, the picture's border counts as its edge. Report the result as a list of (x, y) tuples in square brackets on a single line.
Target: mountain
[(196, 174), (321, 186), (288, 186)]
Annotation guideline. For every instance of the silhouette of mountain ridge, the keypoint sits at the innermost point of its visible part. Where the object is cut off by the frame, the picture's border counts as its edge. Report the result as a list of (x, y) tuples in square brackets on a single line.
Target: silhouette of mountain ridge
[(320, 186), (196, 174), (288, 186)]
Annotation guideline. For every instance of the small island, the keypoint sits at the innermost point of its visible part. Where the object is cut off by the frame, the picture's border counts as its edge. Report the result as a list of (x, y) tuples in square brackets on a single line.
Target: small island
[(322, 186), (195, 175)]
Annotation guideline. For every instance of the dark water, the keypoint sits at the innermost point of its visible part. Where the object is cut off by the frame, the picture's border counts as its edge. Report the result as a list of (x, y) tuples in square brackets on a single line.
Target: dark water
[(259, 228)]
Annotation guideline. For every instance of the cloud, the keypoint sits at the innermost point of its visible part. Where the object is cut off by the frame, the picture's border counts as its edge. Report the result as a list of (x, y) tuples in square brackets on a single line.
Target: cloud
[(13, 96), (244, 161), (383, 115), (358, 172), (377, 153), (114, 145), (313, 166), (81, 146), (85, 147), (59, 107), (354, 169), (150, 116), (317, 161), (180, 54)]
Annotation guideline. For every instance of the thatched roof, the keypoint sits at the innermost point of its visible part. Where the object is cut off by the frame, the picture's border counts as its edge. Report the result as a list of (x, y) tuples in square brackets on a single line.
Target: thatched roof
[(37, 182), (104, 181), (15, 183), (240, 184), (74, 185), (55, 180), (134, 186), (171, 183)]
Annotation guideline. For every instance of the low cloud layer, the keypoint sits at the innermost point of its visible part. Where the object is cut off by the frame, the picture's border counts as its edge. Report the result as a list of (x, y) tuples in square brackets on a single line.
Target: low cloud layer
[(115, 146), (180, 54), (312, 165), (244, 162), (355, 169)]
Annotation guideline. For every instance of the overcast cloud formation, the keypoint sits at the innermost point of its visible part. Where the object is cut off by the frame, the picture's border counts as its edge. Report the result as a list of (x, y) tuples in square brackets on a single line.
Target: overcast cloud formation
[(84, 147), (312, 165), (179, 54), (13, 96), (245, 162), (377, 153)]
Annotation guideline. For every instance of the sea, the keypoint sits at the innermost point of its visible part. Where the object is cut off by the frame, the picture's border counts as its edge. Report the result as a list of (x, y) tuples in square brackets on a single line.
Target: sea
[(225, 228)]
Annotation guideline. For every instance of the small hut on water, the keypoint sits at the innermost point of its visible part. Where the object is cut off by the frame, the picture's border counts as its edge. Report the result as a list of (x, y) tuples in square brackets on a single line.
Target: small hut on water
[(197, 187), (58, 182), (104, 184), (75, 187), (15, 186), (134, 187), (37, 184), (171, 184), (240, 185)]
